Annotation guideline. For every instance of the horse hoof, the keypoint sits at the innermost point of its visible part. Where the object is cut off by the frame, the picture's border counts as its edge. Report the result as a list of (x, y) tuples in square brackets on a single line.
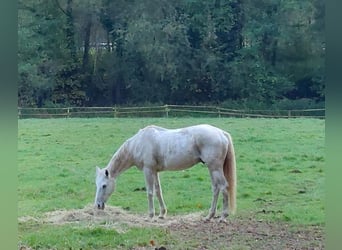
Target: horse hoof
[(207, 219), (151, 220), (223, 220)]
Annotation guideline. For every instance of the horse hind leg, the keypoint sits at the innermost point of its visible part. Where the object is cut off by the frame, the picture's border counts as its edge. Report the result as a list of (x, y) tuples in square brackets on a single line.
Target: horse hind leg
[(224, 191), (212, 210), (219, 183)]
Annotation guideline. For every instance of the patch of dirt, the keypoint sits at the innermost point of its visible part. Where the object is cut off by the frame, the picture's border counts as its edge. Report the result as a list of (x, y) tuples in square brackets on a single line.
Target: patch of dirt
[(237, 233), (249, 233)]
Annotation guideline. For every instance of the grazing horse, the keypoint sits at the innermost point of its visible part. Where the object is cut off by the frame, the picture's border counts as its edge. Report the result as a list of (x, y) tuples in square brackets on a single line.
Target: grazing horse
[(154, 149)]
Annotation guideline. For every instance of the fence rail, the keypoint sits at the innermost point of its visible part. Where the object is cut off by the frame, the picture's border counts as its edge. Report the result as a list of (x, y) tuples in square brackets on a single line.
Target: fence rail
[(164, 111)]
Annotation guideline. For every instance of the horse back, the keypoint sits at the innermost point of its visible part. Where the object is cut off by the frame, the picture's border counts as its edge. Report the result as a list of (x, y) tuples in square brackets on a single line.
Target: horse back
[(174, 149)]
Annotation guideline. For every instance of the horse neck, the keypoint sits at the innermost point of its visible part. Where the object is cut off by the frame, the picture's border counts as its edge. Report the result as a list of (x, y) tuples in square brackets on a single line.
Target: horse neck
[(120, 161)]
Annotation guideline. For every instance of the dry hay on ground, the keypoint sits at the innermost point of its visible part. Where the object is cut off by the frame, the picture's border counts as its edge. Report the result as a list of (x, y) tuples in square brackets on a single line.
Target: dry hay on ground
[(238, 233), (112, 217)]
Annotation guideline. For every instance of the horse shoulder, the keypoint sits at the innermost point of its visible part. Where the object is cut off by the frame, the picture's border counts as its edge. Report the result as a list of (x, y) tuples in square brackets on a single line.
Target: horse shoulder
[(143, 146)]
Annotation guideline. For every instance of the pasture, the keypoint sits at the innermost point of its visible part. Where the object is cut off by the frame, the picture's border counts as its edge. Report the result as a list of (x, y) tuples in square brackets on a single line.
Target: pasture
[(280, 190)]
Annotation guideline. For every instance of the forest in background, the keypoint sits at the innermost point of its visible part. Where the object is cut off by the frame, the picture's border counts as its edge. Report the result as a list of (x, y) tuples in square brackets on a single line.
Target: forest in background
[(234, 53)]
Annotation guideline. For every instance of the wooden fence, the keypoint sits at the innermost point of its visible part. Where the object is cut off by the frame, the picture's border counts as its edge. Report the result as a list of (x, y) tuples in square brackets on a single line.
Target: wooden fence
[(164, 111)]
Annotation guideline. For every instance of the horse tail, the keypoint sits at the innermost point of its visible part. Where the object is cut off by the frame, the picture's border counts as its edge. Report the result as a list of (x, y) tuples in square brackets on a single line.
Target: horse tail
[(229, 170)]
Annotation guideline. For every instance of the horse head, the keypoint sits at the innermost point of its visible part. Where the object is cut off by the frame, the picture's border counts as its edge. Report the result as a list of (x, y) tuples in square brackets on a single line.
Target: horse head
[(104, 187)]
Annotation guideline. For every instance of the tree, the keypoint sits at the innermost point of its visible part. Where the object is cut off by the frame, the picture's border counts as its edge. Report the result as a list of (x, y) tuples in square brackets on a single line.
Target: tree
[(87, 52), (39, 51)]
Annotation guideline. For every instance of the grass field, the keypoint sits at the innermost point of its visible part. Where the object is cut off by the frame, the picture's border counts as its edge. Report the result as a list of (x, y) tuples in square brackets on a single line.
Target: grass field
[(280, 168)]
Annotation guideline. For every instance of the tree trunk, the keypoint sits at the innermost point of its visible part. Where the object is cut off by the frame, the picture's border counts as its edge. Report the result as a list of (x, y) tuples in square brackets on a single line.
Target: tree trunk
[(85, 63), (70, 31), (274, 52)]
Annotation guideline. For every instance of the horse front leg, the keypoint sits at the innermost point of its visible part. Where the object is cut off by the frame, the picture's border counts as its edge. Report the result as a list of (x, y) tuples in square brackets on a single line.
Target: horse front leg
[(149, 179), (159, 194)]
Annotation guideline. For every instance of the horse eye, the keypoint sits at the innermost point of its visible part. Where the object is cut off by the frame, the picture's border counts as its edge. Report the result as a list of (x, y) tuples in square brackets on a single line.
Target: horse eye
[(104, 186)]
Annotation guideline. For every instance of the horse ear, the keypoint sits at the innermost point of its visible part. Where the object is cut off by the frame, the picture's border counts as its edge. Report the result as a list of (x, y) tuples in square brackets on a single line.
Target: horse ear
[(97, 169), (106, 172)]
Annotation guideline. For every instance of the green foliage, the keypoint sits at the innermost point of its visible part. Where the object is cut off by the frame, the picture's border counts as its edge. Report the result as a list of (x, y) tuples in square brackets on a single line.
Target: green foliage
[(102, 53)]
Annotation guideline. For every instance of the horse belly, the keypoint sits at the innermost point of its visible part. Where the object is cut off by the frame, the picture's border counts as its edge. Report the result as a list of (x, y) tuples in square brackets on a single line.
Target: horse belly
[(180, 159), (176, 150)]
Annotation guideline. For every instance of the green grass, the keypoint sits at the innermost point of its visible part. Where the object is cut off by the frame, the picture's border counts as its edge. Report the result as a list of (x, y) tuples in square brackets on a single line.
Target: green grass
[(72, 237), (280, 167)]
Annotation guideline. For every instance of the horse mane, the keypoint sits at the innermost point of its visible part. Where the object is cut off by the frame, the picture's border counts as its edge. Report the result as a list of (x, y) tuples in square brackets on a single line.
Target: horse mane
[(120, 160)]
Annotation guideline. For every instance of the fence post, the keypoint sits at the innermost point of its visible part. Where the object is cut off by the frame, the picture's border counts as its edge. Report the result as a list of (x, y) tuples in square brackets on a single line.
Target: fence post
[(289, 113), (19, 113), (167, 111), (68, 113), (219, 112), (115, 112)]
